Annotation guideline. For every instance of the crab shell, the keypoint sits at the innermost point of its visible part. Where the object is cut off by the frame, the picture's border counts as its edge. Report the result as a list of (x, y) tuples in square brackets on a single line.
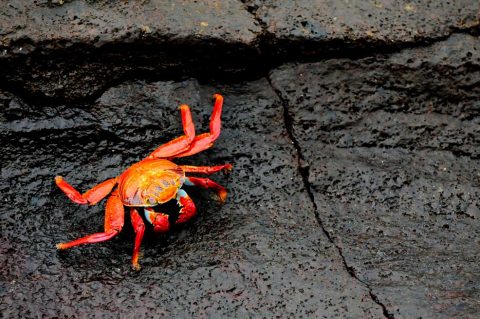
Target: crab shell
[(150, 182)]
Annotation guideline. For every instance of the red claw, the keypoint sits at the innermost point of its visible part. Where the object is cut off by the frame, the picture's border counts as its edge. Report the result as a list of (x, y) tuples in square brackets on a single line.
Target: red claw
[(160, 221), (187, 210)]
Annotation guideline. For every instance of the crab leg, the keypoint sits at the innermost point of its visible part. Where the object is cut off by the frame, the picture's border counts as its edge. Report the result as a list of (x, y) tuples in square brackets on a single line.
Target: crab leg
[(207, 183), (206, 169), (158, 220), (188, 209), (114, 218), (92, 196), (205, 140), (181, 143), (139, 228)]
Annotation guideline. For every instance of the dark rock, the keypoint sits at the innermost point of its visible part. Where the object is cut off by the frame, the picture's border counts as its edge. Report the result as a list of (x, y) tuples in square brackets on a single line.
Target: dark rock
[(262, 254), (98, 23), (329, 25), (355, 191), (63, 51), (69, 50), (391, 149), (457, 51)]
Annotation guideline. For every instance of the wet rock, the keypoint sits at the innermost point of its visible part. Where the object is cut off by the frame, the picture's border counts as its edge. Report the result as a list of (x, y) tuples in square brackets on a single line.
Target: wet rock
[(391, 150), (65, 51), (101, 22), (68, 50), (455, 52), (380, 219), (262, 254), (330, 25)]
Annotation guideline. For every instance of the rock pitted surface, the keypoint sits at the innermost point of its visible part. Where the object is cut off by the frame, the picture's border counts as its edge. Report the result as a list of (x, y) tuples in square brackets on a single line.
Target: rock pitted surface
[(261, 253), (353, 128), (391, 151)]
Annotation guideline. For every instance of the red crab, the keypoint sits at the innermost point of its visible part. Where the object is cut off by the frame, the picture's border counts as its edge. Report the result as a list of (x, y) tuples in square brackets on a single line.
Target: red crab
[(153, 181)]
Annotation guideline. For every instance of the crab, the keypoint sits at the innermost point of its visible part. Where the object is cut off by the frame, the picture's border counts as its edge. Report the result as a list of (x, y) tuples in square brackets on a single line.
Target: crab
[(153, 181)]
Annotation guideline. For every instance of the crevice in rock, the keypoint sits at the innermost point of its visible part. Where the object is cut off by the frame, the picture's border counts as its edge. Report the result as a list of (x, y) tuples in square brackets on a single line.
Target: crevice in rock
[(304, 172), (252, 8), (114, 63), (264, 38)]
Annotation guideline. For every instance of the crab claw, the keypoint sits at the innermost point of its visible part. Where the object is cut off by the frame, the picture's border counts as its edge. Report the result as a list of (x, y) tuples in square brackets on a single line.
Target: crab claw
[(159, 221)]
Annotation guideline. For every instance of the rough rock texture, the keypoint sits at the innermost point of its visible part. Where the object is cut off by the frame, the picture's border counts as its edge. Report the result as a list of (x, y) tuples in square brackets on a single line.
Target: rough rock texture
[(391, 151), (260, 255), (369, 22), (62, 51), (353, 126), (74, 49), (100, 22)]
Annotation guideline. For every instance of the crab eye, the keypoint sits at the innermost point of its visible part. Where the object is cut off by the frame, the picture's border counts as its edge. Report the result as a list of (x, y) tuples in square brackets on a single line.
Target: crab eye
[(151, 200)]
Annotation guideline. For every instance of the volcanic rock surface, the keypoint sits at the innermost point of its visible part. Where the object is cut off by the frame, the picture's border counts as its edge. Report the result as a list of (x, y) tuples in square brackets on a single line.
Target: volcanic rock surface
[(353, 128)]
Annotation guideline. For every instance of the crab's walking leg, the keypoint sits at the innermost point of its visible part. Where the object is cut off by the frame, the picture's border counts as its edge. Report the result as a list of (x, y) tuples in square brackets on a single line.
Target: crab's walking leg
[(92, 196), (114, 218), (158, 220), (207, 183), (181, 143), (139, 228), (205, 140), (188, 209), (206, 169)]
